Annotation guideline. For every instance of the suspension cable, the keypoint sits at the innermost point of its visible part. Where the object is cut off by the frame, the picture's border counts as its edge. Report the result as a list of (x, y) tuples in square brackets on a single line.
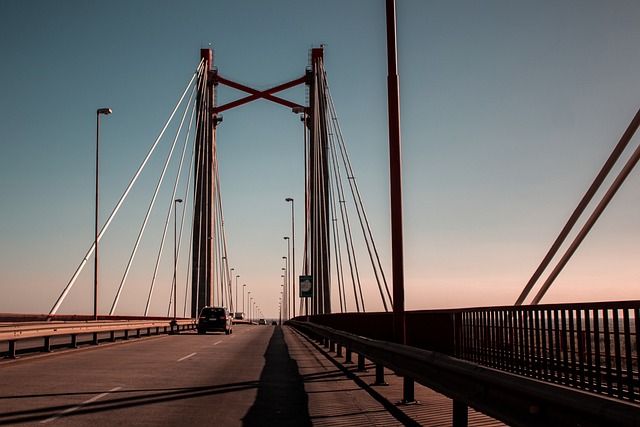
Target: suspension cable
[(359, 205), (586, 199), (149, 209), (615, 186), (185, 198), (171, 203), (66, 290), (346, 228)]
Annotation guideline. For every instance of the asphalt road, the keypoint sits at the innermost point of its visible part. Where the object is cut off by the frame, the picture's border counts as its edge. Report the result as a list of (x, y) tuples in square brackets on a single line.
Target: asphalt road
[(246, 378)]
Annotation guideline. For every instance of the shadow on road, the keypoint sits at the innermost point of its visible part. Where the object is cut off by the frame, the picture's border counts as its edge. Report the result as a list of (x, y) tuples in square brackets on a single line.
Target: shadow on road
[(281, 398)]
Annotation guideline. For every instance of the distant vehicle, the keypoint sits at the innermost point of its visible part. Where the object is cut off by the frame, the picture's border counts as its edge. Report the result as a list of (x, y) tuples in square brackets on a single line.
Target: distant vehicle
[(215, 319), (274, 323), (262, 322), (239, 316)]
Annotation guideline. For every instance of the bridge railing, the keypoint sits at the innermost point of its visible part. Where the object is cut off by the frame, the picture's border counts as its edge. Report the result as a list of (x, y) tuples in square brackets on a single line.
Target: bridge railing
[(513, 399), (588, 346), (33, 331)]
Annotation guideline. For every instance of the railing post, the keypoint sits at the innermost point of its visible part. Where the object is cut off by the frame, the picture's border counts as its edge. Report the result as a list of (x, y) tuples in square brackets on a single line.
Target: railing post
[(347, 357), (95, 339), (380, 375), (460, 414), (47, 345), (361, 367), (74, 341), (339, 350), (332, 346), (12, 350), (112, 336), (126, 335), (408, 396)]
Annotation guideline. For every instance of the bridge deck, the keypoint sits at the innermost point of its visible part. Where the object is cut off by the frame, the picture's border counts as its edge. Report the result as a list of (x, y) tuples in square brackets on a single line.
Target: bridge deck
[(339, 395)]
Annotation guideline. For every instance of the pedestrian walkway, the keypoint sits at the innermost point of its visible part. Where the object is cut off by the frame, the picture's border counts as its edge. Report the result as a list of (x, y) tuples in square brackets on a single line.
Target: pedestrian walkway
[(340, 395)]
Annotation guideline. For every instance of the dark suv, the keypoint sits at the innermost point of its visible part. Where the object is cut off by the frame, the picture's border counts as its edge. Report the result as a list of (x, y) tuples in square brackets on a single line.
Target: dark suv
[(214, 319)]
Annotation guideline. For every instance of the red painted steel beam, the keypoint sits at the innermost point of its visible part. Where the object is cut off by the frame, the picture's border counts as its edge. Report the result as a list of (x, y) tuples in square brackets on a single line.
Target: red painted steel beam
[(258, 94), (395, 176)]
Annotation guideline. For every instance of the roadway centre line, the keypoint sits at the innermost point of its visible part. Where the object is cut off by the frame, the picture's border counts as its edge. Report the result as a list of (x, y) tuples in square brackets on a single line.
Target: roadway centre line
[(75, 408), (186, 357)]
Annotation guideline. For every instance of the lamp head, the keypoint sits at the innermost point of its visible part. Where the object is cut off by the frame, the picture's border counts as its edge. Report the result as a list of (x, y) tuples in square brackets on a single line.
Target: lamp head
[(288, 199), (178, 200), (105, 111)]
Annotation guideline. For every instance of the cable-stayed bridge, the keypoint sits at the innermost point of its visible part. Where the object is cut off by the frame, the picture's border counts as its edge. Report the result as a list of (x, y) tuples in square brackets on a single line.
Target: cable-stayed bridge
[(524, 365)]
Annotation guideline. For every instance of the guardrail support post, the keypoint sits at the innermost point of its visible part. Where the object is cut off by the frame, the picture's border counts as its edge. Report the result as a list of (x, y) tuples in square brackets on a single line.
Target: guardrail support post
[(408, 396), (95, 339), (339, 350), (126, 335), (332, 346), (12, 350), (380, 375), (361, 367), (74, 341), (112, 336), (347, 358), (47, 345), (460, 414)]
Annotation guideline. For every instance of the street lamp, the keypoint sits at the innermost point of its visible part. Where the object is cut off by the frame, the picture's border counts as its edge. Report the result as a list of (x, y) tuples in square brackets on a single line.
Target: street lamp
[(99, 111), (290, 296), (231, 279), (175, 259), (235, 301), (243, 289), (293, 259)]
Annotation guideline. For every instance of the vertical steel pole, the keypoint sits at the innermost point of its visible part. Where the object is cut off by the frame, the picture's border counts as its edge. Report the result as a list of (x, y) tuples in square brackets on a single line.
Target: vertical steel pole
[(95, 258), (293, 261), (395, 175), (99, 111)]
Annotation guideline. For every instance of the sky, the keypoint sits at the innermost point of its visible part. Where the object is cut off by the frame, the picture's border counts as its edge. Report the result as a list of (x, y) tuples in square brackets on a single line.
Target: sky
[(508, 111)]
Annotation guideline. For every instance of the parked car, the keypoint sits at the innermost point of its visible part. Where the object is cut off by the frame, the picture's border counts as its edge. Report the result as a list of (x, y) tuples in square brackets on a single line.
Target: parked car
[(215, 319)]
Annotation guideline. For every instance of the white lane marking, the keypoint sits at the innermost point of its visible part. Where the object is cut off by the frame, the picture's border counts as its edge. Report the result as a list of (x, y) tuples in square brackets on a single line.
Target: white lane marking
[(186, 357), (217, 342), (75, 408)]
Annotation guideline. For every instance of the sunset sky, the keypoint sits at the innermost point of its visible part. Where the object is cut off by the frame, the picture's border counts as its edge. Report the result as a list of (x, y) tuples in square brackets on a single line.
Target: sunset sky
[(509, 110)]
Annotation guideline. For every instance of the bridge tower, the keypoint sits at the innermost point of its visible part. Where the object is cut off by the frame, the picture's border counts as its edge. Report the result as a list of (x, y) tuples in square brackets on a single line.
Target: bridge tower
[(203, 217), (318, 187), (317, 251)]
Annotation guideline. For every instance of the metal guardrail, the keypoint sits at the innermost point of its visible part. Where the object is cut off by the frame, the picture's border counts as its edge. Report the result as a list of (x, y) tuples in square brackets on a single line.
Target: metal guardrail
[(512, 399), (591, 346), (11, 333)]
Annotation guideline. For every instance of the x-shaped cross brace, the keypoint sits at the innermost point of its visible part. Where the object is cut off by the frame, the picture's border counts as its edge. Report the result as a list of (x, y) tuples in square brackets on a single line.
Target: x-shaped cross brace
[(257, 94)]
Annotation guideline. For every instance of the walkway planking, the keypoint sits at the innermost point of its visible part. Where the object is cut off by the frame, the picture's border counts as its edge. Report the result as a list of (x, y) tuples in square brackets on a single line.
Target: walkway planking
[(339, 395)]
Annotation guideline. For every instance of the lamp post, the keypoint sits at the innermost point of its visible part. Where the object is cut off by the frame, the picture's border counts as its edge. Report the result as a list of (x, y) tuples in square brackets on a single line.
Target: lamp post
[(293, 259), (99, 111), (175, 261), (230, 280), (235, 301), (243, 288), (289, 282)]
